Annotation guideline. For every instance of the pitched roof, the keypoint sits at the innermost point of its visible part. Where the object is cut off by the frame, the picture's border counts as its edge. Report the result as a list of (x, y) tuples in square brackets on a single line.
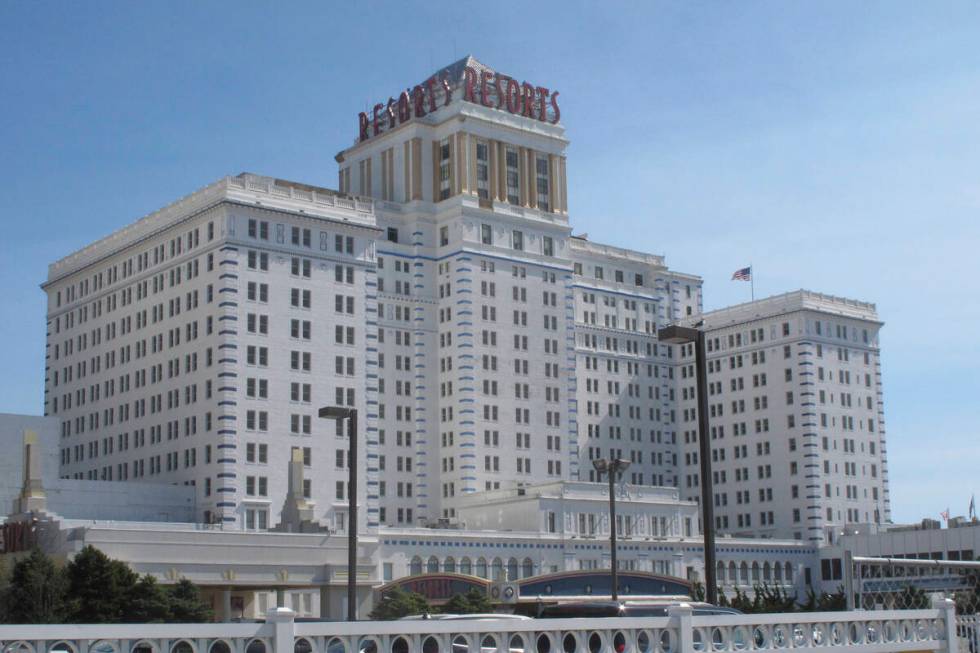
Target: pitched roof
[(454, 71)]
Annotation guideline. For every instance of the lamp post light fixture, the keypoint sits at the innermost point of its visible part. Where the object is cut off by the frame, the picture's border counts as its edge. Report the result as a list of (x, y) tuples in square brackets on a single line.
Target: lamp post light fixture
[(680, 335), (340, 413), (612, 468)]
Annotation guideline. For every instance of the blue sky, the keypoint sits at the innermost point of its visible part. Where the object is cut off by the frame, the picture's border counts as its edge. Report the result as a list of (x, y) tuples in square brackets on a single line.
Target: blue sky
[(836, 146)]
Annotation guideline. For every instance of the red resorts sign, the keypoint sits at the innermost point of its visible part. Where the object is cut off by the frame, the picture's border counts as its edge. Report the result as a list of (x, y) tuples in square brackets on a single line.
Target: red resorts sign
[(485, 88)]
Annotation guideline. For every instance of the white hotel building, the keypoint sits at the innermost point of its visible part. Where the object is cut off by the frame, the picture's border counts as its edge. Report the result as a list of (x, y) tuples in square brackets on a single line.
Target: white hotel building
[(796, 417), (442, 293)]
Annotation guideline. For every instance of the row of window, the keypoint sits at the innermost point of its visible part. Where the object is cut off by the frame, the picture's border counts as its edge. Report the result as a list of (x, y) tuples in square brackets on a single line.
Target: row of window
[(133, 265)]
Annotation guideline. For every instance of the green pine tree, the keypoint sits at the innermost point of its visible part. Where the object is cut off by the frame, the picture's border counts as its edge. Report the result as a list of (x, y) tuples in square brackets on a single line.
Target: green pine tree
[(148, 602), (36, 593), (824, 602), (741, 602), (473, 602), (397, 604), (99, 587), (186, 605), (772, 598), (722, 598)]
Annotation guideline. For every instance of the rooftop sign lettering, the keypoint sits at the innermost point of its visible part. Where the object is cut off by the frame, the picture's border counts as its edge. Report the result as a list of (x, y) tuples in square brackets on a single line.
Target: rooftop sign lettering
[(483, 87)]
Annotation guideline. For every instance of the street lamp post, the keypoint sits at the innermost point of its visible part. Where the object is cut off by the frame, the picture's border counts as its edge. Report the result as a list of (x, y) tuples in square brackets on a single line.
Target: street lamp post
[(341, 413), (681, 335), (612, 468)]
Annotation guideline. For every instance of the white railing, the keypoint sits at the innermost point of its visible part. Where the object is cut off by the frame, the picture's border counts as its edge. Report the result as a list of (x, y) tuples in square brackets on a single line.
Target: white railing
[(968, 631), (679, 632)]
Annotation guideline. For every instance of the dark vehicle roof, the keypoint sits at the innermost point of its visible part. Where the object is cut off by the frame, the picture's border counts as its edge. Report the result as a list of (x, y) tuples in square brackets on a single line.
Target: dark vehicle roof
[(591, 609)]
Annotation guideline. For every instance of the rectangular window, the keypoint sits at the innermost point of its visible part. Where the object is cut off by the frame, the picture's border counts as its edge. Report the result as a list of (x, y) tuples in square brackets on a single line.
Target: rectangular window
[(444, 170), (513, 178), (482, 168), (543, 183)]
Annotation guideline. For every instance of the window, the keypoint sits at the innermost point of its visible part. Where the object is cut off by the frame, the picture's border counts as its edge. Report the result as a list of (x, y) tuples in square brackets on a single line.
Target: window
[(513, 178), (518, 240), (444, 170), (443, 236), (482, 174), (301, 267), (258, 260), (543, 183), (486, 234), (392, 234), (345, 244), (548, 246)]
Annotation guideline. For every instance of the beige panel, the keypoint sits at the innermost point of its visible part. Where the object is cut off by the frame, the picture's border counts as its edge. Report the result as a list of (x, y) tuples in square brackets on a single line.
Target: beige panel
[(416, 168), (564, 187), (435, 171), (407, 156), (384, 174), (391, 175), (553, 182), (459, 162), (370, 186), (474, 184), (462, 165), (453, 162)]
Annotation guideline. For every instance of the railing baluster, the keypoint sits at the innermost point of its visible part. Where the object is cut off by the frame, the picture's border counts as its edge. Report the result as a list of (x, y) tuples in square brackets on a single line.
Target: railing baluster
[(935, 629)]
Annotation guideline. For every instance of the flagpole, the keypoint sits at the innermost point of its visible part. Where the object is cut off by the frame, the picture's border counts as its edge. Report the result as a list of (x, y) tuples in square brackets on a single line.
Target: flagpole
[(752, 279)]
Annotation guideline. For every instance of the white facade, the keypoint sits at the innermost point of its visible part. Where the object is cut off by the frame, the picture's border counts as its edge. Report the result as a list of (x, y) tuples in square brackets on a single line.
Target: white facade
[(485, 346), (184, 350), (796, 415), (512, 536), (581, 511)]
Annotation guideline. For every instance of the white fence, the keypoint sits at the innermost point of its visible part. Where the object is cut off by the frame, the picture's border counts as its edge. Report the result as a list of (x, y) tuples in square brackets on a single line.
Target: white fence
[(681, 632), (968, 630)]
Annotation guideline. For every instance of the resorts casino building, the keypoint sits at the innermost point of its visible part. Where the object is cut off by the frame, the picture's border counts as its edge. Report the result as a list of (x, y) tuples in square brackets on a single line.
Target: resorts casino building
[(440, 291)]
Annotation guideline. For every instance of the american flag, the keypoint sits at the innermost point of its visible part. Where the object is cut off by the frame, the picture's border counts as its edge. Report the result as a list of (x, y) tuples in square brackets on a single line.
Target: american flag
[(745, 274)]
